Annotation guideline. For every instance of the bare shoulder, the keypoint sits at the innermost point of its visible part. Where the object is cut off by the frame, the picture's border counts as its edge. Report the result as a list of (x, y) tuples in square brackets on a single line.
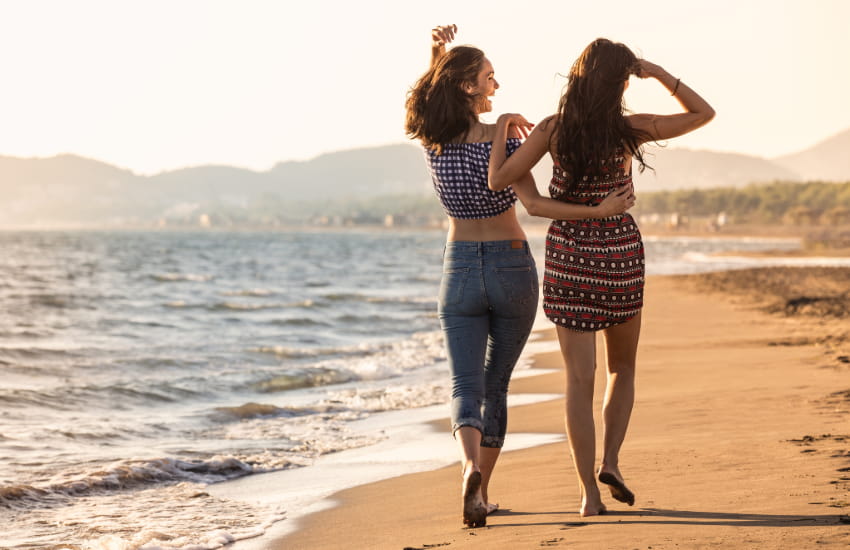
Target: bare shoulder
[(486, 132), (548, 123)]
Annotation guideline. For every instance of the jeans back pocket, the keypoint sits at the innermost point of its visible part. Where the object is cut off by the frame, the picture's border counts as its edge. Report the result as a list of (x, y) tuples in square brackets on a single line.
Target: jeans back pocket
[(519, 283), (452, 285)]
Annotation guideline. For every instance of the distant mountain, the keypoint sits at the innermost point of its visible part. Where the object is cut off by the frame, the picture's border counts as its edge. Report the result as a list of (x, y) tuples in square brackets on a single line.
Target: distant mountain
[(829, 160), (387, 170), (686, 169), (62, 189), (71, 190)]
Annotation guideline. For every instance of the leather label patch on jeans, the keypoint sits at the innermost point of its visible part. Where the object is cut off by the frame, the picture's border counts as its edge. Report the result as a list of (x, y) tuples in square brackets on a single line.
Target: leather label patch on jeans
[(517, 244)]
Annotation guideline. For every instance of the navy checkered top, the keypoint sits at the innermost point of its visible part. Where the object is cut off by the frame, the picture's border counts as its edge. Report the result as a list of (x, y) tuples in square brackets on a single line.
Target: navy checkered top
[(460, 179)]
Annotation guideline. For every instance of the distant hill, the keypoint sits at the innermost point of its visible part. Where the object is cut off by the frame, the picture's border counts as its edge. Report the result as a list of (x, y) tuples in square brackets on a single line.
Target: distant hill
[(387, 170), (829, 160), (686, 169), (71, 190)]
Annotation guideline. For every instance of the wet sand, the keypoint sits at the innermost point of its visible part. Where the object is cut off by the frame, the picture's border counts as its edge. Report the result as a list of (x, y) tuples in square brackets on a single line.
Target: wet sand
[(740, 438)]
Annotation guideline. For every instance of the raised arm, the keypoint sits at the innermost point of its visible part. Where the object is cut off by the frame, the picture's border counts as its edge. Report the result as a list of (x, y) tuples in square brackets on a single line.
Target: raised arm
[(440, 36), (698, 111), (504, 171)]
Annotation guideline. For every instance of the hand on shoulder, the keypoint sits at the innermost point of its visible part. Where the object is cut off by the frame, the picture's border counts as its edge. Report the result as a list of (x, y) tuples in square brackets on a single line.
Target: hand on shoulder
[(517, 124)]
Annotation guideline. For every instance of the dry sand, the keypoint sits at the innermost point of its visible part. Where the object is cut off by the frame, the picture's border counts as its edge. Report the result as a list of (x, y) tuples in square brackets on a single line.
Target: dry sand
[(740, 438)]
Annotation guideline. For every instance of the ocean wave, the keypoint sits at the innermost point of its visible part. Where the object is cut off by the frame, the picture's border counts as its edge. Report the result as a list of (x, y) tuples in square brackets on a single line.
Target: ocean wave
[(259, 292), (239, 306), (257, 410), (391, 398), (303, 378), (25, 333), (344, 297), (194, 519), (181, 277), (367, 360), (29, 353), (155, 324), (236, 306), (52, 300), (299, 322), (65, 398), (284, 352), (423, 300), (390, 359), (361, 319), (372, 299), (123, 475)]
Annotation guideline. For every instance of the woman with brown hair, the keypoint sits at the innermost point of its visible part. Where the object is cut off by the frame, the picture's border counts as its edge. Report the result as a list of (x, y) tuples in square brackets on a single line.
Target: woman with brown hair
[(488, 294), (594, 273)]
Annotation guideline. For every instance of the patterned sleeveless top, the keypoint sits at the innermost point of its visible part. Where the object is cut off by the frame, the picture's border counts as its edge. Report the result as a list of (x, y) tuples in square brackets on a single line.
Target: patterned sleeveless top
[(459, 175), (594, 274)]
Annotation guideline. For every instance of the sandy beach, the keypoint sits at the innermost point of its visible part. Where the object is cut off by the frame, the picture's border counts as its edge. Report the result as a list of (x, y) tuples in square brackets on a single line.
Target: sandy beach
[(740, 438)]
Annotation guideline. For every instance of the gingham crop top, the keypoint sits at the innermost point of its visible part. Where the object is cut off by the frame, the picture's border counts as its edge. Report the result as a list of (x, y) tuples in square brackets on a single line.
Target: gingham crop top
[(460, 179)]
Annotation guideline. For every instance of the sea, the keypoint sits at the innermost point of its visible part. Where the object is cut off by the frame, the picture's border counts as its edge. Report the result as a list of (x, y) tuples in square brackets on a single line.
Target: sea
[(141, 370)]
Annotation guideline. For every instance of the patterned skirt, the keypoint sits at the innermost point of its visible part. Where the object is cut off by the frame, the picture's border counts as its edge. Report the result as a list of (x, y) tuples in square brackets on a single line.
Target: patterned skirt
[(594, 273)]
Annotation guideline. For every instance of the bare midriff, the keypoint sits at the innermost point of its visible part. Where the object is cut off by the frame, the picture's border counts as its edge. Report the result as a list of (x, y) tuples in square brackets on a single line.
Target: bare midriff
[(504, 227)]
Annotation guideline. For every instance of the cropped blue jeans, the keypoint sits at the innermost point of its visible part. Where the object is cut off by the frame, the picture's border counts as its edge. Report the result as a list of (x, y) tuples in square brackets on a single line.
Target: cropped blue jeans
[(487, 305)]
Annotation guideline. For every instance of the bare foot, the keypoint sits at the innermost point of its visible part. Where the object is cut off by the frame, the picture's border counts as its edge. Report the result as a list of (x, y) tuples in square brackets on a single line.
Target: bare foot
[(618, 488), (491, 507), (474, 511), (592, 510)]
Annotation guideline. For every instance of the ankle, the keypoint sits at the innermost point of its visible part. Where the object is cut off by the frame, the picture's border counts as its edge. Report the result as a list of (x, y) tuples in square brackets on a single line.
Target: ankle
[(609, 466), (468, 467)]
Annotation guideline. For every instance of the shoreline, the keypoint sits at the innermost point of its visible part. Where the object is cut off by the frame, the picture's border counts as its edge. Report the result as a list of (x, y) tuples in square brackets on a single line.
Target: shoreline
[(711, 463), (414, 441), (314, 489)]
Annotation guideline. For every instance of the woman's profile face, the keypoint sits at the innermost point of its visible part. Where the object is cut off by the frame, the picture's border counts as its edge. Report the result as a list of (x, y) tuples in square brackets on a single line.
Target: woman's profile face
[(484, 87)]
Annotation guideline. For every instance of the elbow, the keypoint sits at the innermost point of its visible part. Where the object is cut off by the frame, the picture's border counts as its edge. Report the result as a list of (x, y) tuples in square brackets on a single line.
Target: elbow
[(533, 207), (707, 115), (496, 184)]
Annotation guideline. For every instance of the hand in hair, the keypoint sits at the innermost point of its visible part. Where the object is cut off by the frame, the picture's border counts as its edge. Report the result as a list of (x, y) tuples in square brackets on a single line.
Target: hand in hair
[(443, 34), (440, 36), (647, 69)]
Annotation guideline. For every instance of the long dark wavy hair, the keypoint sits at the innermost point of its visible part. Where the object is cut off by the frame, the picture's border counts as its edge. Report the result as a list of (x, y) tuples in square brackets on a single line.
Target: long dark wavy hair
[(439, 110), (590, 125)]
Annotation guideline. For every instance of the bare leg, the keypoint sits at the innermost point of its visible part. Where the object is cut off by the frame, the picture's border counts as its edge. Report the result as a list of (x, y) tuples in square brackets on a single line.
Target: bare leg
[(621, 345), (474, 511), (489, 456), (579, 351)]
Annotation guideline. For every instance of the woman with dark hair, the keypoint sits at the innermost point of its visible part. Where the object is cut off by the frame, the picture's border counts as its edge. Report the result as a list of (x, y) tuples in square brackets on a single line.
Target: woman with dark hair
[(489, 290), (594, 274)]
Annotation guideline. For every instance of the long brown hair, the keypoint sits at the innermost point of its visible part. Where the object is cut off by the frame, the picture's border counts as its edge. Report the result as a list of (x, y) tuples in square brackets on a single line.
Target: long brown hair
[(590, 124), (439, 110)]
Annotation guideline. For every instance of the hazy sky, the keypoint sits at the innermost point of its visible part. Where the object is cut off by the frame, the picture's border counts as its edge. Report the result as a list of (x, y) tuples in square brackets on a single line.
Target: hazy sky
[(154, 85)]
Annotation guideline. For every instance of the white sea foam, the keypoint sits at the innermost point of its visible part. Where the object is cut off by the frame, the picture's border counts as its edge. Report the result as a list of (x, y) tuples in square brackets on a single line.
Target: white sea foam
[(410, 445)]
